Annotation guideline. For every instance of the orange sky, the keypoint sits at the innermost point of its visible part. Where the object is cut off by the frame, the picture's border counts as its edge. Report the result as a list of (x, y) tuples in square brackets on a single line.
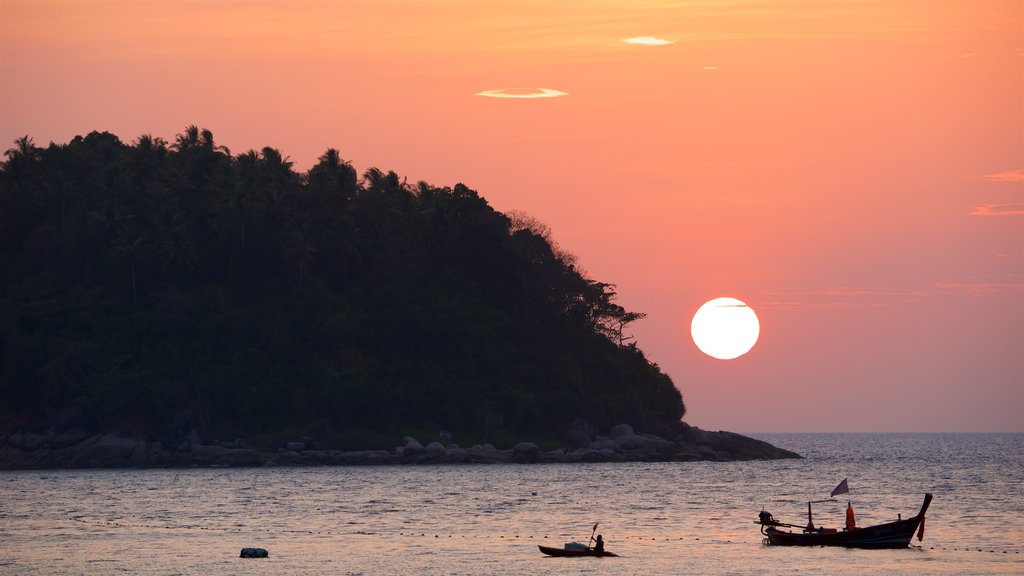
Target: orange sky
[(853, 170)]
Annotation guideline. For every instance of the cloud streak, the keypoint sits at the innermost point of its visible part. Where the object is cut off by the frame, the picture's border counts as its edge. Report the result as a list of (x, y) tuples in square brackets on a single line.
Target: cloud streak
[(983, 285), (1007, 176), (838, 297), (522, 93), (647, 41), (852, 297), (1008, 209)]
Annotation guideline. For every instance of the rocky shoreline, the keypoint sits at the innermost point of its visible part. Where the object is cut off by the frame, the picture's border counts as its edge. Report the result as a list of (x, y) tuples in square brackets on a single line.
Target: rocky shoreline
[(74, 449)]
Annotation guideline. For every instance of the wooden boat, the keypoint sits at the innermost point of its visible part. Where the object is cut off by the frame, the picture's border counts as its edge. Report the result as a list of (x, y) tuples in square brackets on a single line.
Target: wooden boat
[(570, 552), (889, 535)]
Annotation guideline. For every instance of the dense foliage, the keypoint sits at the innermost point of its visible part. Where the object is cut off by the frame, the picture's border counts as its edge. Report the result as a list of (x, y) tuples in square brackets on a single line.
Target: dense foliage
[(161, 289)]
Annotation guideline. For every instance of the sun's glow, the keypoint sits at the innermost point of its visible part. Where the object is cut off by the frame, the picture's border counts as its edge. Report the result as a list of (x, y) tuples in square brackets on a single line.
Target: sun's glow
[(725, 328), (522, 93), (647, 41)]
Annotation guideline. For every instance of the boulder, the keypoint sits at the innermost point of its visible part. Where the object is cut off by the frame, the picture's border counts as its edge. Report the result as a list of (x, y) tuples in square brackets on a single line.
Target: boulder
[(435, 448), (410, 447), (602, 443), (456, 455), (577, 439), (63, 439), (646, 442), (525, 452), (620, 430), (254, 553), (108, 451)]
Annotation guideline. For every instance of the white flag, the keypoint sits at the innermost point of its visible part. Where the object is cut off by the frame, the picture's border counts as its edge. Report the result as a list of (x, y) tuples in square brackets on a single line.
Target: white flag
[(842, 488)]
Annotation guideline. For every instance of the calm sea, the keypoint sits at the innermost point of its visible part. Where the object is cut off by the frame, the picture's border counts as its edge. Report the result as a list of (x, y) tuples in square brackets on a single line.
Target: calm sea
[(665, 518)]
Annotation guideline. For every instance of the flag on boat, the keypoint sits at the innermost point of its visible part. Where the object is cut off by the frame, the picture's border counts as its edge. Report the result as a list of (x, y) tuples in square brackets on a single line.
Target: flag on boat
[(842, 488)]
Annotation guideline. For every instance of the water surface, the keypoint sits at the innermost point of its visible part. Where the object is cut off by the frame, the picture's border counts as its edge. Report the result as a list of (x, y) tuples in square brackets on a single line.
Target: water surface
[(663, 518)]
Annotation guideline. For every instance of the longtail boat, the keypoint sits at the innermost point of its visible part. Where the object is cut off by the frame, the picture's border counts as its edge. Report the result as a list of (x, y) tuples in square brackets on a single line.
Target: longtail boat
[(574, 552), (888, 535)]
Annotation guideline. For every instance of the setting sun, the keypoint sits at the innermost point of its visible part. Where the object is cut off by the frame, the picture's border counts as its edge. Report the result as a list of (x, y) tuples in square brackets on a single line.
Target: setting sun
[(725, 328)]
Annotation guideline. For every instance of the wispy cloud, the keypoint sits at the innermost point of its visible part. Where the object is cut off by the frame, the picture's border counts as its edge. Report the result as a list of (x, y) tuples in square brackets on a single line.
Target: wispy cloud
[(1007, 176), (522, 93), (1007, 209), (853, 297), (983, 285), (838, 297), (647, 41)]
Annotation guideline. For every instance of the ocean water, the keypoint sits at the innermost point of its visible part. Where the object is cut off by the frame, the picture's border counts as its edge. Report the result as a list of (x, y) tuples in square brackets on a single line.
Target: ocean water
[(662, 518)]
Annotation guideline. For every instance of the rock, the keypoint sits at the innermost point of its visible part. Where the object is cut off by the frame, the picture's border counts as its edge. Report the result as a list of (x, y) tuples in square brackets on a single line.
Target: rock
[(26, 441), (620, 430), (577, 439), (456, 455), (679, 442), (63, 439), (254, 553), (525, 452), (106, 451), (601, 455), (410, 451), (633, 442), (410, 448), (602, 443), (695, 435)]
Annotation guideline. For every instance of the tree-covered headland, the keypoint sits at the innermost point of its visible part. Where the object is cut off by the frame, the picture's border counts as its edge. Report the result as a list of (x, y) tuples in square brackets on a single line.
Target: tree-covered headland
[(167, 289)]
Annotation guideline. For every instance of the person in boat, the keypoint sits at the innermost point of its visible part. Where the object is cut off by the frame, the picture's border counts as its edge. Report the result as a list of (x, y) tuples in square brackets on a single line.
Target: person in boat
[(599, 544)]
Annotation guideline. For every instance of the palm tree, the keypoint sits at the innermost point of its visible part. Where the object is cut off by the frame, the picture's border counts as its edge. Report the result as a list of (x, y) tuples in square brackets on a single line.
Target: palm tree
[(24, 146), (333, 176), (148, 143), (206, 143), (300, 246), (20, 158), (189, 140), (132, 246), (376, 180), (175, 239)]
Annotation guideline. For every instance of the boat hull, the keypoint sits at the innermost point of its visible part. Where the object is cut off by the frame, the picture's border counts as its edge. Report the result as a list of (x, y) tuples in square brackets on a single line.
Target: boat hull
[(890, 535), (561, 552)]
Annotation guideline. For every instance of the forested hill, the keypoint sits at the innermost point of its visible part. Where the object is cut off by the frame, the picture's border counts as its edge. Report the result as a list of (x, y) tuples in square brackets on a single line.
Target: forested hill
[(166, 289)]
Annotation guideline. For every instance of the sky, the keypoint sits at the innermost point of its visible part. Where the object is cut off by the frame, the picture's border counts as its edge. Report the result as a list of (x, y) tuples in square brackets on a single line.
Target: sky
[(851, 169)]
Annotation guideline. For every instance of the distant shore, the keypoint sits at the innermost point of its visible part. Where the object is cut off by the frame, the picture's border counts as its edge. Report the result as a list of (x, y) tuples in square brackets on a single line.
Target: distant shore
[(31, 451)]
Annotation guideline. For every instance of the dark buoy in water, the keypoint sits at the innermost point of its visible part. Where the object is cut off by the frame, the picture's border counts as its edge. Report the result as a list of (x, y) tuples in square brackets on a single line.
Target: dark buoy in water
[(254, 553)]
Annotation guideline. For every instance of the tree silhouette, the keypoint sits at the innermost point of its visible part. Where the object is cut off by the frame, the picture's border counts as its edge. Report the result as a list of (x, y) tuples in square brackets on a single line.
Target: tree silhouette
[(164, 289)]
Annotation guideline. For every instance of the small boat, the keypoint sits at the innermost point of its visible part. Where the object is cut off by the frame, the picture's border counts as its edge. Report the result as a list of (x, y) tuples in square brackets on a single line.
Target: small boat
[(574, 552), (889, 535)]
